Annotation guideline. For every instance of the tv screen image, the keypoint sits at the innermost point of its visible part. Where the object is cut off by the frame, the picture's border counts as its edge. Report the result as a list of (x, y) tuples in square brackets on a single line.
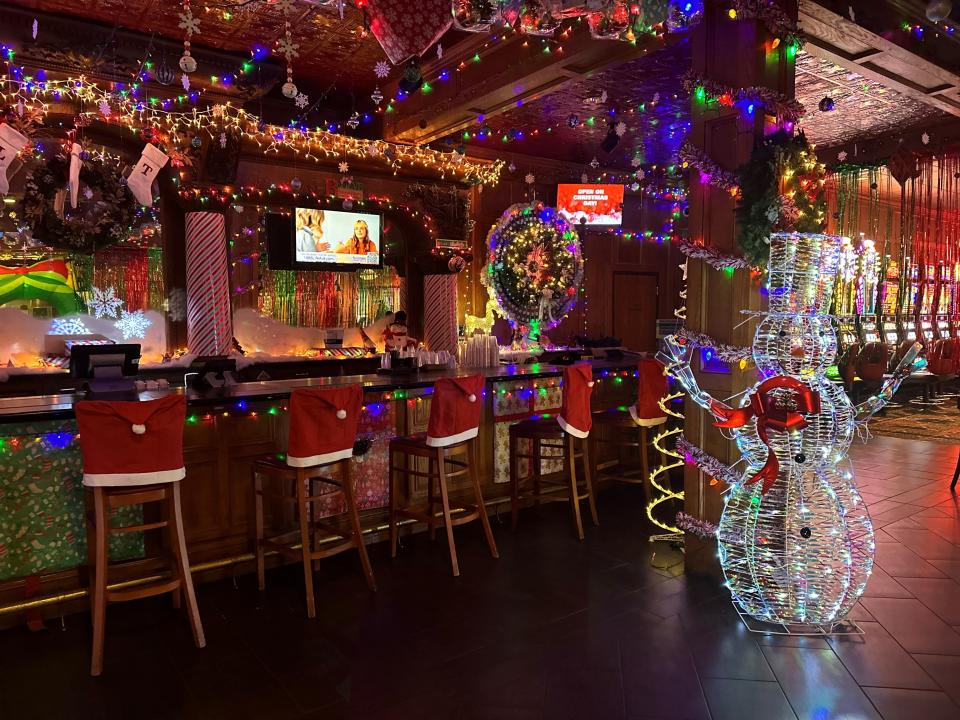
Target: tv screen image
[(331, 237), (598, 204)]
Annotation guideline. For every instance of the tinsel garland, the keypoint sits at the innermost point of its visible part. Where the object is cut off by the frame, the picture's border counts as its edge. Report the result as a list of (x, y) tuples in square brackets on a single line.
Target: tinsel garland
[(712, 257), (772, 102), (710, 172), (156, 287), (695, 526), (771, 15), (727, 353), (707, 462)]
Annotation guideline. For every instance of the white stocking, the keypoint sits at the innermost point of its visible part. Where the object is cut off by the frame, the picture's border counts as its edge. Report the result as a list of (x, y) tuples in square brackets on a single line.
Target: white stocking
[(140, 180), (11, 142)]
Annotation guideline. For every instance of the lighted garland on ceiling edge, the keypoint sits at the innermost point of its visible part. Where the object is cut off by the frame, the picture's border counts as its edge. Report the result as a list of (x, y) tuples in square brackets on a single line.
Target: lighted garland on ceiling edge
[(140, 115)]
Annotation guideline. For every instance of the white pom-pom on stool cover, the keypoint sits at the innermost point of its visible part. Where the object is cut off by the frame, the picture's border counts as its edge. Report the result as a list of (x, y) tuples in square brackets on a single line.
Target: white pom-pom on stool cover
[(119, 452), (575, 416), (323, 425), (454, 411)]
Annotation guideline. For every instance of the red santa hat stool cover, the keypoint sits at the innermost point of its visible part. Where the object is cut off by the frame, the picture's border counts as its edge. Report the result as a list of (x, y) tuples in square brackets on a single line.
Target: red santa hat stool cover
[(567, 439), (449, 447), (132, 455), (322, 432), (455, 411), (652, 385), (323, 424)]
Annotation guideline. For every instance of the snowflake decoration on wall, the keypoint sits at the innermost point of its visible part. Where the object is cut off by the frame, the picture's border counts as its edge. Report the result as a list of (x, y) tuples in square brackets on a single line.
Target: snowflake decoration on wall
[(288, 48), (620, 128), (529, 179), (132, 324), (188, 23), (302, 100), (68, 326), (381, 69), (344, 166), (104, 302)]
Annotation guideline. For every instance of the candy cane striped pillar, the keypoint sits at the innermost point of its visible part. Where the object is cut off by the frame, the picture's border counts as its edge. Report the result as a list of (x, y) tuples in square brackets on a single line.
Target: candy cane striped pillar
[(440, 312), (209, 321)]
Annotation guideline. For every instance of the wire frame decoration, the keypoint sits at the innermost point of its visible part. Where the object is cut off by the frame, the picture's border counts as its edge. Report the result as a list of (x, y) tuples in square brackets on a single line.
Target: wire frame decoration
[(798, 547), (535, 265)]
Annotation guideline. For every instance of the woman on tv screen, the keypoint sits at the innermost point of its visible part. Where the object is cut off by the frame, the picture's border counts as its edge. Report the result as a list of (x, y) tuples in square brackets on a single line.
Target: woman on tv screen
[(360, 243)]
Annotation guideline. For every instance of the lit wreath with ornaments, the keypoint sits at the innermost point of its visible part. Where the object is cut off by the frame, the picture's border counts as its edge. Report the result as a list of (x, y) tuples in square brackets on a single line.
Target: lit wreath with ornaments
[(534, 265), (104, 213)]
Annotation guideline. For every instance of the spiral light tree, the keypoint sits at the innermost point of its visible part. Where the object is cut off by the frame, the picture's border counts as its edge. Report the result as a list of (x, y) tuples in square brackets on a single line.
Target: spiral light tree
[(795, 539)]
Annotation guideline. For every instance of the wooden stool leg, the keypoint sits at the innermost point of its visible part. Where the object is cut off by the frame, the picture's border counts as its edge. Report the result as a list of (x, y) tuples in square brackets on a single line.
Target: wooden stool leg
[(481, 508), (167, 511), (574, 501), (391, 478), (90, 514), (445, 499), (514, 482), (536, 467), (351, 501), (956, 474), (99, 579), (431, 500), (588, 473), (645, 462), (303, 514), (258, 529), (183, 565)]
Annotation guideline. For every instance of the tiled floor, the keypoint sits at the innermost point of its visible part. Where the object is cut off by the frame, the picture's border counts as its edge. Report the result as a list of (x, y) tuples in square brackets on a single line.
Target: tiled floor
[(554, 629)]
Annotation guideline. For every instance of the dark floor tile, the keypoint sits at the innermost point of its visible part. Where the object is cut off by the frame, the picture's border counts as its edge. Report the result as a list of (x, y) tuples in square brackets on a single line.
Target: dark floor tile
[(722, 646), (741, 699), (895, 704), (942, 595), (817, 684), (876, 659), (926, 543), (581, 693), (881, 584), (948, 567), (900, 561), (914, 626), (945, 670)]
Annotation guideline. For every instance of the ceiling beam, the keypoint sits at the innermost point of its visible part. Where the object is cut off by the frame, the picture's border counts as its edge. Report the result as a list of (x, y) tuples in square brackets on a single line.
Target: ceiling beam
[(837, 39), (511, 71)]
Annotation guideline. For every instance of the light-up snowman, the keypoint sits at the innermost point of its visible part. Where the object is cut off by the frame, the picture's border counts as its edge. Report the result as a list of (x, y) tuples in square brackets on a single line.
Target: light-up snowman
[(795, 539)]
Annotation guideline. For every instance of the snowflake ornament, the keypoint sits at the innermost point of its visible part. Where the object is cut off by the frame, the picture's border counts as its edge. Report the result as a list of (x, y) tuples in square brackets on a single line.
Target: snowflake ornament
[(288, 48), (68, 326), (439, 51), (185, 82), (381, 69), (842, 155), (529, 179), (925, 138), (188, 23), (594, 163), (620, 128), (372, 150), (640, 174), (104, 108), (344, 166), (104, 302), (132, 324), (302, 100)]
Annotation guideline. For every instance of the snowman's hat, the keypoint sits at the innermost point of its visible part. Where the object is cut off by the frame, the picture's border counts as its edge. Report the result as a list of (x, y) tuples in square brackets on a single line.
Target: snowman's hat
[(801, 272)]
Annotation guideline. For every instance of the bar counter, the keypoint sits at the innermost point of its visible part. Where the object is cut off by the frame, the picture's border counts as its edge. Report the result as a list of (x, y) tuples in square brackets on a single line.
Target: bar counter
[(42, 523)]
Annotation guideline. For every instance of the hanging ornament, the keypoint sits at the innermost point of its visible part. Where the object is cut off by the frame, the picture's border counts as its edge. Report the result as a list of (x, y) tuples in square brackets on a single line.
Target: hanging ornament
[(289, 50), (223, 140), (529, 179), (381, 69), (164, 73), (196, 142), (938, 10), (190, 25), (295, 184), (583, 177), (302, 100), (573, 120), (354, 122), (594, 163), (512, 168), (620, 128), (344, 166), (348, 203), (185, 82), (377, 96), (827, 104)]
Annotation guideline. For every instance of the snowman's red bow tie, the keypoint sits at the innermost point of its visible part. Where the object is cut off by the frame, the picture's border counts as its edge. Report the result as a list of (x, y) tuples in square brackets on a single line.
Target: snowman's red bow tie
[(768, 408)]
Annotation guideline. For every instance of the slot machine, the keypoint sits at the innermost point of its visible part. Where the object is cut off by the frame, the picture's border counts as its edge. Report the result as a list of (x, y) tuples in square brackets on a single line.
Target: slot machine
[(844, 296), (906, 322), (927, 293), (955, 300), (944, 301), (867, 288), (888, 307)]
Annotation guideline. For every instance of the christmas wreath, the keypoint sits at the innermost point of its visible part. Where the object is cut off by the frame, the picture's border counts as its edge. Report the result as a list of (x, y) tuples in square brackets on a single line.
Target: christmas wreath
[(103, 215), (535, 266), (781, 189)]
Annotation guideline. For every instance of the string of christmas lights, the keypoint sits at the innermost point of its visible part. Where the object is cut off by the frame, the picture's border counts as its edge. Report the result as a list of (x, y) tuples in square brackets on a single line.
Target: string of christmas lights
[(749, 99), (711, 173)]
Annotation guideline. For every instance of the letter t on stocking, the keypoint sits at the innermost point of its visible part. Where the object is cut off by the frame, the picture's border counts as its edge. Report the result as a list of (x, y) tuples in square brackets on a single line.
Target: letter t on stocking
[(140, 180)]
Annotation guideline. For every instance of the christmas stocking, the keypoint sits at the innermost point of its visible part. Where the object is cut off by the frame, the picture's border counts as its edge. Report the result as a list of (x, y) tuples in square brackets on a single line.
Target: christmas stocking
[(11, 142), (140, 180)]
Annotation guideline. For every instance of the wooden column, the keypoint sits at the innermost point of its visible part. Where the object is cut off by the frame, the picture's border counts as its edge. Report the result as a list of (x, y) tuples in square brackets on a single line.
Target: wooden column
[(736, 53)]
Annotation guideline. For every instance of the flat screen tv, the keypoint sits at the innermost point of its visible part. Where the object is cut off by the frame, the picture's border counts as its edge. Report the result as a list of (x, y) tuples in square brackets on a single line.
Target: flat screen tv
[(314, 239), (597, 204)]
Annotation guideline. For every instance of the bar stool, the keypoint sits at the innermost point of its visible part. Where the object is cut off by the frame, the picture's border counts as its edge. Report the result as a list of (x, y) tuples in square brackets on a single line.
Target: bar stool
[(323, 429), (450, 440), (569, 436), (133, 454), (632, 429)]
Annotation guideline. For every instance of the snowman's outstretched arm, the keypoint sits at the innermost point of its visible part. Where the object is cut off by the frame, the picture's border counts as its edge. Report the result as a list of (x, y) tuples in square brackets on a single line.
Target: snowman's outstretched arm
[(674, 358), (868, 407)]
